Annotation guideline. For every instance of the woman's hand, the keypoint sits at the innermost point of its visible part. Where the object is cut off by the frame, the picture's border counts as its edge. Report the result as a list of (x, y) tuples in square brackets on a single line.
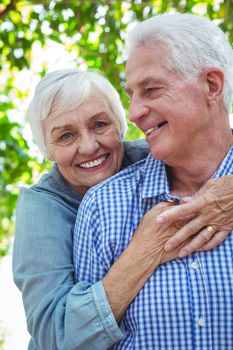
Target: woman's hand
[(152, 236), (207, 217)]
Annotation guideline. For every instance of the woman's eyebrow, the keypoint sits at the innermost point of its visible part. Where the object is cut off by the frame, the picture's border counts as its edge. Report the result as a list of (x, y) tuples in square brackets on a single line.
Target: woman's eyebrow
[(70, 126), (98, 114), (62, 127)]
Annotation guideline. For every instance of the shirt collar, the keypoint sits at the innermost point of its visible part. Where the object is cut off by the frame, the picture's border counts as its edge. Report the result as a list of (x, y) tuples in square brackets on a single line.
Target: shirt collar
[(155, 181), (226, 167)]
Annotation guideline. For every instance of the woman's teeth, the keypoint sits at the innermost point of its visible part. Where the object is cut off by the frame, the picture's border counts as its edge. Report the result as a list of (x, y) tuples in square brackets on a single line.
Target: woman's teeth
[(93, 163)]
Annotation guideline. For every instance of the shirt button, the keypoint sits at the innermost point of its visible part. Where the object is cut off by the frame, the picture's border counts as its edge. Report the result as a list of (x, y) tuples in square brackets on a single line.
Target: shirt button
[(201, 322), (194, 265)]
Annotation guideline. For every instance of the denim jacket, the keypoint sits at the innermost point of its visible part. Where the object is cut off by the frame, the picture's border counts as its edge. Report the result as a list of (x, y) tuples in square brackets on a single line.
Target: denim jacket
[(61, 315)]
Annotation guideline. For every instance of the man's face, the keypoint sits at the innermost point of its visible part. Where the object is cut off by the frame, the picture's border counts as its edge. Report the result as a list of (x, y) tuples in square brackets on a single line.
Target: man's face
[(171, 111)]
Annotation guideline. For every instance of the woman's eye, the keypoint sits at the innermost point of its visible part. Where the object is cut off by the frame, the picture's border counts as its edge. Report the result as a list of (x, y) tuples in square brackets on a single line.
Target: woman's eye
[(100, 124), (66, 137)]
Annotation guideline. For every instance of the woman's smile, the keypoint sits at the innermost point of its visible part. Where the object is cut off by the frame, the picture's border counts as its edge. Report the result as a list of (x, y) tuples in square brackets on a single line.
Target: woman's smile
[(86, 140), (95, 163)]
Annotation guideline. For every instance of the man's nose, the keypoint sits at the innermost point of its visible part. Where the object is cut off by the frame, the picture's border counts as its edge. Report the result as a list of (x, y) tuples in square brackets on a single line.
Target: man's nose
[(88, 144), (137, 109)]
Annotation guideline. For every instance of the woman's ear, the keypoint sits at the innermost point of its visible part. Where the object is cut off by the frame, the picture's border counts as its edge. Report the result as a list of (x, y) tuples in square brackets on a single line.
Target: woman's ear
[(214, 78)]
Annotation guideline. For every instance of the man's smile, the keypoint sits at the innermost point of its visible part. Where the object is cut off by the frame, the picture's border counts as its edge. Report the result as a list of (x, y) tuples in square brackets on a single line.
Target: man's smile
[(150, 130)]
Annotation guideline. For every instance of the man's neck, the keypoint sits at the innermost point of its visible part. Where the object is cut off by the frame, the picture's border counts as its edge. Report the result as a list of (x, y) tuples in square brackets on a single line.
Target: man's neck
[(187, 178)]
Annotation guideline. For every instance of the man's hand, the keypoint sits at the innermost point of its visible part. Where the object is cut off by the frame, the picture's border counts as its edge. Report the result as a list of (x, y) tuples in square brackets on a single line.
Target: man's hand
[(207, 217)]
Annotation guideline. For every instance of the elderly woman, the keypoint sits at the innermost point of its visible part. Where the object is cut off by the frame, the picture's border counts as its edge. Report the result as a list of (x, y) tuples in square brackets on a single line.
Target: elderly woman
[(78, 122)]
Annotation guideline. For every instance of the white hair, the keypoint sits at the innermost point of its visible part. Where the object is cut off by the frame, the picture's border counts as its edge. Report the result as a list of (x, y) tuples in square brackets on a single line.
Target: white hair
[(193, 43), (64, 90)]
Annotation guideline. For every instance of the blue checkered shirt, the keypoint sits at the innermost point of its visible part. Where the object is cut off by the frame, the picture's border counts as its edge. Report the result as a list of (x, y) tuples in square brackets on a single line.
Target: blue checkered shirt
[(187, 303)]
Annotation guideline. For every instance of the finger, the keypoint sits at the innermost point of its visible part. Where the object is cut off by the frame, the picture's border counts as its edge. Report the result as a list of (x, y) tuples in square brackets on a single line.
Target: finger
[(181, 211), (189, 230), (165, 205), (197, 242), (161, 207), (186, 200), (215, 241)]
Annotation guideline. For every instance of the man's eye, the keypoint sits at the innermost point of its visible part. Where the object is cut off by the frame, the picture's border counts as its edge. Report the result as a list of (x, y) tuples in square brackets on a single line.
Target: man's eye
[(154, 90), (129, 95), (151, 89)]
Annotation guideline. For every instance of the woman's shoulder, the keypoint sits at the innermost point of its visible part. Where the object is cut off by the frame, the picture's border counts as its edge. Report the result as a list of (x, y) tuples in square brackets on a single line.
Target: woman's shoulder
[(134, 151), (51, 188)]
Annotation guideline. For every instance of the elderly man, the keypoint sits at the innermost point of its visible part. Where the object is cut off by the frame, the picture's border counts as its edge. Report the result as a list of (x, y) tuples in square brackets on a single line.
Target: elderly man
[(180, 82)]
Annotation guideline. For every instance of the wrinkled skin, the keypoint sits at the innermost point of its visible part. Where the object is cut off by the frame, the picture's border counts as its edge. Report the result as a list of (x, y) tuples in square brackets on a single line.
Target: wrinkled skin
[(152, 236), (212, 205), (146, 250)]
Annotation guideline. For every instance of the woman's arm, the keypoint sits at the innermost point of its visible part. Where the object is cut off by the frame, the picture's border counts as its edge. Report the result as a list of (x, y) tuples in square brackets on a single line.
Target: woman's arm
[(60, 314), (211, 206), (138, 262)]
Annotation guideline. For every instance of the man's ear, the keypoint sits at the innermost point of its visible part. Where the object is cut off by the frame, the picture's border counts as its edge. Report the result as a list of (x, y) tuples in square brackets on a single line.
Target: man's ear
[(214, 78)]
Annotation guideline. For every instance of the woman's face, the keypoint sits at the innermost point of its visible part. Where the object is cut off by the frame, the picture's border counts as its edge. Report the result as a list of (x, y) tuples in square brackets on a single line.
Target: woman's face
[(85, 143)]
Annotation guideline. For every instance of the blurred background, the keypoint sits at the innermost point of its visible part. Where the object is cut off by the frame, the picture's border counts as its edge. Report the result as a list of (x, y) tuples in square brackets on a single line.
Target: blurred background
[(37, 37)]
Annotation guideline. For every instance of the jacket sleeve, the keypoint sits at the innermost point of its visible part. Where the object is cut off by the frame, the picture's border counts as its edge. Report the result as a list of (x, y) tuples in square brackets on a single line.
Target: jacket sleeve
[(61, 315)]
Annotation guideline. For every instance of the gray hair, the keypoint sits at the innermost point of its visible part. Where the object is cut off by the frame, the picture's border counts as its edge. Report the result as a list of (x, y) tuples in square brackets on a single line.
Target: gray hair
[(192, 42), (64, 90)]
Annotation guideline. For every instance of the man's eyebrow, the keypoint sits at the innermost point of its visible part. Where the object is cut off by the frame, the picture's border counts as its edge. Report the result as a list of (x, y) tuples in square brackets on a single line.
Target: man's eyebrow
[(147, 81), (143, 83)]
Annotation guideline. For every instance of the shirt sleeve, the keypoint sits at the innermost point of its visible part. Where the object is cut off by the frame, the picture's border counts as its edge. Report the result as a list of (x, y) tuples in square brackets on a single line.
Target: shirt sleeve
[(60, 314)]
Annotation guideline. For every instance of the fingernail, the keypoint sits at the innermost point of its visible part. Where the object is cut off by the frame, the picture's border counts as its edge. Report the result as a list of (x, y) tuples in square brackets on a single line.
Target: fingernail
[(168, 246), (183, 253)]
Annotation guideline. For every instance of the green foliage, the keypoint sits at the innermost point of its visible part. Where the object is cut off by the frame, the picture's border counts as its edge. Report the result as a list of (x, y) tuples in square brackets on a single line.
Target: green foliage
[(94, 32)]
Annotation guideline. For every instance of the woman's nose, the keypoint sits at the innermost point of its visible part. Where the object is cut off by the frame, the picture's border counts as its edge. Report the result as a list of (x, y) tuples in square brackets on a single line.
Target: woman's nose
[(88, 144)]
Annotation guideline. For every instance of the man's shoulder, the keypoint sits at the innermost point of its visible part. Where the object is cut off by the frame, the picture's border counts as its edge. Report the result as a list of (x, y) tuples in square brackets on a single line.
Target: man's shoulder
[(130, 175)]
